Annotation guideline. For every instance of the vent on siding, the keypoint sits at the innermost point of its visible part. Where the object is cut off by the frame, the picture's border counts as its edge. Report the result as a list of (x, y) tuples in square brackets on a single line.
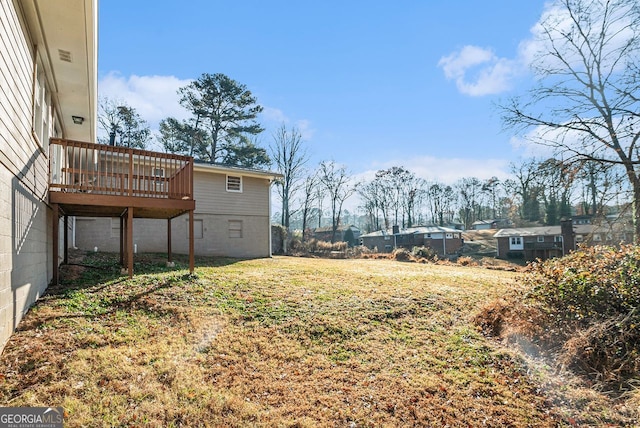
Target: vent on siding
[(64, 55)]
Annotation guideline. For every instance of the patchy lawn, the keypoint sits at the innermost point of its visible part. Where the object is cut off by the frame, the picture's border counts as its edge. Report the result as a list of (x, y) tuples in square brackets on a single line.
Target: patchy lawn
[(282, 342)]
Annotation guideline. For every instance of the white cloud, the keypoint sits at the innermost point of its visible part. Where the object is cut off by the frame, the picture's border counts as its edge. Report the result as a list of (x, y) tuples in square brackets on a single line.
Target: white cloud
[(445, 170), (154, 97), (274, 118), (478, 71), (275, 115)]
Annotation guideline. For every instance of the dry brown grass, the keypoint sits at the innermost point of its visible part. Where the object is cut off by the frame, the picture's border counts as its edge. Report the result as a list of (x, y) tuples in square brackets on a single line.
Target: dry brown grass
[(277, 342)]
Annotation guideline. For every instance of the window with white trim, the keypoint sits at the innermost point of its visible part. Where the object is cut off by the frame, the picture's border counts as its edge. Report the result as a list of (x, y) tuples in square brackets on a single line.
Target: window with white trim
[(235, 228), (234, 183), (42, 122), (558, 238), (540, 238), (515, 243)]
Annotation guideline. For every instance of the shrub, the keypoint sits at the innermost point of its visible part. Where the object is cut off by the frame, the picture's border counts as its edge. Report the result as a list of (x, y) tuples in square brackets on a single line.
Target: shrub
[(425, 252), (466, 261), (402, 255), (580, 310)]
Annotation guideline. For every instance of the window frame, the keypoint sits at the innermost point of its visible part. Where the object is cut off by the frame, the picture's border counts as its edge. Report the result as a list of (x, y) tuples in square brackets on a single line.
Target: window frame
[(239, 184), (43, 114)]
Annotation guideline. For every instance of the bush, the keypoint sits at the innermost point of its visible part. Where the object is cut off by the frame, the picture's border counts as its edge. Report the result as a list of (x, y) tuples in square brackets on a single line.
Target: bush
[(402, 255), (466, 261), (425, 253), (588, 285), (580, 310)]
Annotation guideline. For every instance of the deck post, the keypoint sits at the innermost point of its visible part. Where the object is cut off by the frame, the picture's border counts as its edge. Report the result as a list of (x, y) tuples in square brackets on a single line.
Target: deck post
[(169, 255), (121, 240), (130, 241), (191, 249), (56, 244), (65, 260)]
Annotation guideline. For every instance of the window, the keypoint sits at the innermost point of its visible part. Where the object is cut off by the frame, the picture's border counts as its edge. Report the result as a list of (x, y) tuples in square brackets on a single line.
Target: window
[(579, 238), (596, 237), (234, 183), (42, 122), (558, 238), (449, 235), (515, 243), (540, 238), (235, 228), (387, 238)]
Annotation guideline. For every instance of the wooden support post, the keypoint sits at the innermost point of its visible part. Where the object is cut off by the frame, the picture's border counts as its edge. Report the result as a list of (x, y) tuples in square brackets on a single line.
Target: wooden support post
[(130, 241), (169, 255), (56, 244), (191, 247), (121, 240), (65, 260)]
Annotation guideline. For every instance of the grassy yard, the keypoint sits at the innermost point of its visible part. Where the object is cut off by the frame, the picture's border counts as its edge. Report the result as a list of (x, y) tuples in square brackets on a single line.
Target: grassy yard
[(283, 342)]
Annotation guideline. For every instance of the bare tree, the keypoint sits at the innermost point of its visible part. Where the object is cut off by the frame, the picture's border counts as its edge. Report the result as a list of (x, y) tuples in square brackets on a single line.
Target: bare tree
[(440, 197), (290, 157), (586, 105), (310, 194), (336, 182), (123, 124)]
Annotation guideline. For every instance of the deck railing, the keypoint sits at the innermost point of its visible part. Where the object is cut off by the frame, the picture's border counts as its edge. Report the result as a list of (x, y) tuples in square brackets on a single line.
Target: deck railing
[(120, 171)]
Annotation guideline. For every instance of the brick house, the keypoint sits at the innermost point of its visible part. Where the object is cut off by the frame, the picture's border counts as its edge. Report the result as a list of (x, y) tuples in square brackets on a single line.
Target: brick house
[(442, 240)]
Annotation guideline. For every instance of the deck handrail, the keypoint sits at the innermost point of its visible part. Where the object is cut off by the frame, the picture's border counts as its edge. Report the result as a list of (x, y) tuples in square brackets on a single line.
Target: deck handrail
[(77, 166)]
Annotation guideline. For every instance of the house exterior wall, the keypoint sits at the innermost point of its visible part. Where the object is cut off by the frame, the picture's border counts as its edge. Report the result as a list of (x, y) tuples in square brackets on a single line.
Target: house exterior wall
[(217, 217), (453, 245), (26, 222), (389, 242), (384, 244)]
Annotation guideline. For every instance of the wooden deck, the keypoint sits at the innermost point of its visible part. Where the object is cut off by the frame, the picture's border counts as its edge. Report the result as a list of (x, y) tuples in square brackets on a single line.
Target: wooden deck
[(95, 180)]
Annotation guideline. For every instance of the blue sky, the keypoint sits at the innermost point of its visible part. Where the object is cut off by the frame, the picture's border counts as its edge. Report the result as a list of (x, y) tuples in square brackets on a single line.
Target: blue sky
[(370, 84)]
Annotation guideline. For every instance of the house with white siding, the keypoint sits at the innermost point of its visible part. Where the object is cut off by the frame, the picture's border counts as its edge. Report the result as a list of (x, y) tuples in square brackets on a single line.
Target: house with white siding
[(231, 218), (47, 89)]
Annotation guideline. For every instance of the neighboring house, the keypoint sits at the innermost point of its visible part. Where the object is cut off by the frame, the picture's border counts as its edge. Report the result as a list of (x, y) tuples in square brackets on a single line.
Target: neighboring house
[(582, 219), (498, 223), (231, 218), (442, 240), (546, 242), (345, 233), (47, 89)]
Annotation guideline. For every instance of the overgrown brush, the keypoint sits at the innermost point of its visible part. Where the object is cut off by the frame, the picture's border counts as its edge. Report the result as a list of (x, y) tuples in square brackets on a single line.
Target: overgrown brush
[(581, 310), (314, 246)]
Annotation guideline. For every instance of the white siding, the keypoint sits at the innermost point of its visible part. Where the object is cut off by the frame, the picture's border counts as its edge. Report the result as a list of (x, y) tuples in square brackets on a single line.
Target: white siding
[(215, 209), (25, 220), (212, 197)]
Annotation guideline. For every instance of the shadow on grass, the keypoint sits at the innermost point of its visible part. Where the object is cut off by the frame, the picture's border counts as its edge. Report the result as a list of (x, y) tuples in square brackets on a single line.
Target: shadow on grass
[(94, 282), (88, 269)]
